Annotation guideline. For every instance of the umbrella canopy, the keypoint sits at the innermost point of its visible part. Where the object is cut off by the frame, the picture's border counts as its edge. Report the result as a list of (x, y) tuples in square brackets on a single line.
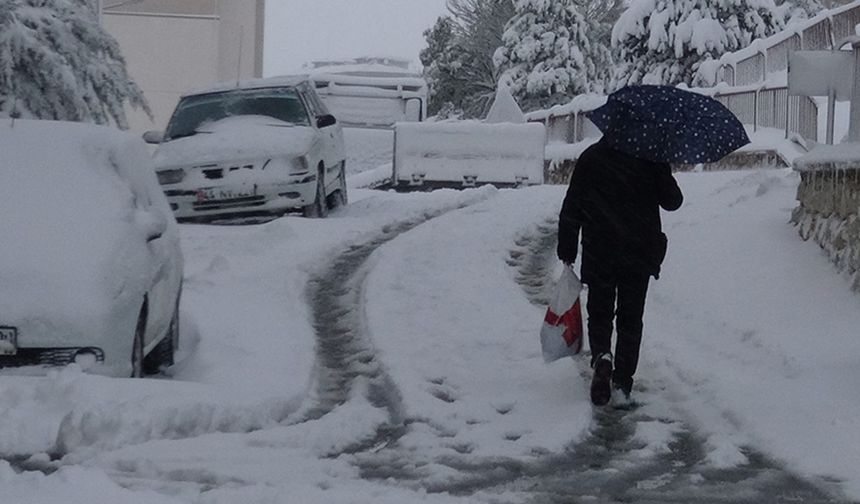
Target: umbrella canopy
[(668, 125)]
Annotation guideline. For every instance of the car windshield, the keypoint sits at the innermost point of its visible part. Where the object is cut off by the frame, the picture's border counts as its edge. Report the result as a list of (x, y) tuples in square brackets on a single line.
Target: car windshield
[(196, 111)]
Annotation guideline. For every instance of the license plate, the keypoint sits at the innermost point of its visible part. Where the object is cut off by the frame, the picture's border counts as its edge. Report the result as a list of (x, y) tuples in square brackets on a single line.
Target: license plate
[(8, 340), (222, 194)]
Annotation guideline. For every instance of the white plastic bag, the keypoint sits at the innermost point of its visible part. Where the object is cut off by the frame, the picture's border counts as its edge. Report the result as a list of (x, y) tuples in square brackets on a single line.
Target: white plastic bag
[(561, 333)]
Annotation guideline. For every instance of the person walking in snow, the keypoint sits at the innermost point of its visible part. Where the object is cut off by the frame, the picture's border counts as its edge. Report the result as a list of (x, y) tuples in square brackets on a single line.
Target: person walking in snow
[(615, 198)]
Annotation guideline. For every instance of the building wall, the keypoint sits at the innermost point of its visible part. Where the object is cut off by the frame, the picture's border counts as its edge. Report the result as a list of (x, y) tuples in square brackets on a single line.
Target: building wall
[(173, 46)]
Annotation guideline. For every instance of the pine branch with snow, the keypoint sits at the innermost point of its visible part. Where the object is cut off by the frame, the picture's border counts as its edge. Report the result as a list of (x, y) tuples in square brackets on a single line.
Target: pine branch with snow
[(665, 41), (57, 62), (800, 10), (550, 53), (458, 59)]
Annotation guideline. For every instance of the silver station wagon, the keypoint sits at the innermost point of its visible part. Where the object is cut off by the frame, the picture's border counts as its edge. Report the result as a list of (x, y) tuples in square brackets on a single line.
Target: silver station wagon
[(263, 147)]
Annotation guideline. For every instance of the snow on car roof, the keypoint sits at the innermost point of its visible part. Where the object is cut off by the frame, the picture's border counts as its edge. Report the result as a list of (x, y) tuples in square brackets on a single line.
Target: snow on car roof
[(267, 82), (393, 82), (366, 69), (67, 207)]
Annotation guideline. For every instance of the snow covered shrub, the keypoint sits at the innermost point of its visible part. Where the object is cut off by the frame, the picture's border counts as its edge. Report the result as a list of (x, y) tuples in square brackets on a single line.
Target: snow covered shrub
[(665, 41), (551, 53), (57, 62)]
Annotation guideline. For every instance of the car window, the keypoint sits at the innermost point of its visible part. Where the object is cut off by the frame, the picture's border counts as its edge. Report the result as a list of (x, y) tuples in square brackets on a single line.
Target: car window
[(312, 106), (194, 111), (318, 105)]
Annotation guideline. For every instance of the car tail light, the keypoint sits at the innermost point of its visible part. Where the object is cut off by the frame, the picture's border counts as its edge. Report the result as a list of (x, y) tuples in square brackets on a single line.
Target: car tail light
[(175, 176)]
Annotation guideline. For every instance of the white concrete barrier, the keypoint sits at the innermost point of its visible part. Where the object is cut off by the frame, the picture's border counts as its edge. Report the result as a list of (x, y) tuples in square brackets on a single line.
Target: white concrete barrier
[(467, 154)]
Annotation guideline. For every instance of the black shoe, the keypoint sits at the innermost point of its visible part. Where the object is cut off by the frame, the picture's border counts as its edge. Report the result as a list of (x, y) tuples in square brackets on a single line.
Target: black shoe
[(621, 394), (622, 386), (601, 390)]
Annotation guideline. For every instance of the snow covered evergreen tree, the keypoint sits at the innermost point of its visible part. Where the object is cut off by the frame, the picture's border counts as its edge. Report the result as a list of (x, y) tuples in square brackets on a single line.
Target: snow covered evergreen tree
[(479, 30), (551, 53), (56, 62), (461, 71), (665, 41), (604, 13), (799, 10), (440, 66)]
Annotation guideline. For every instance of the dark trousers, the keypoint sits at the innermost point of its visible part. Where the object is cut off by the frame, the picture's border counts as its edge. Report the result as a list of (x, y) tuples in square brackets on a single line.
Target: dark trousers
[(619, 296)]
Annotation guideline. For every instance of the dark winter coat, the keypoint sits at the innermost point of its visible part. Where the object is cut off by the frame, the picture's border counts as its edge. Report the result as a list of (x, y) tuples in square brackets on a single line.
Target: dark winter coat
[(615, 199)]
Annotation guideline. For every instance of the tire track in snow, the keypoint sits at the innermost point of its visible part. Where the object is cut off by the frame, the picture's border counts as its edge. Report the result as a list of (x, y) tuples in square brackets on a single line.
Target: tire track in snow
[(610, 465), (346, 357), (607, 465)]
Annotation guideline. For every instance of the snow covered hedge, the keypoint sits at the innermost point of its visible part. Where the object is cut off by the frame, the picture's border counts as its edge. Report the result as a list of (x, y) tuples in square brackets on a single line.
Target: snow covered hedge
[(829, 210)]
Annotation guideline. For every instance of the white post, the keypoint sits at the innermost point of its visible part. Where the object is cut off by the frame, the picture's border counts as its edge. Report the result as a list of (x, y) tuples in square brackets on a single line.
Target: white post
[(854, 117), (831, 113)]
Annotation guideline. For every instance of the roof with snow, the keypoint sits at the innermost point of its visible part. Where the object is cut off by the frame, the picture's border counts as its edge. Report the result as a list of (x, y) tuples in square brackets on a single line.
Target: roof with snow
[(268, 82)]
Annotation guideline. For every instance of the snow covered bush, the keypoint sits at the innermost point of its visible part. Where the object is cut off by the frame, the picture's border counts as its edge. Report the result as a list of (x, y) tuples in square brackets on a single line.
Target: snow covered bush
[(665, 41), (57, 62), (549, 53)]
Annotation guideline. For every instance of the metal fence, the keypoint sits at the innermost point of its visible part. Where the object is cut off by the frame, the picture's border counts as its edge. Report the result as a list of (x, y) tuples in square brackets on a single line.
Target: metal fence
[(761, 108), (774, 108), (777, 54), (767, 107), (824, 34)]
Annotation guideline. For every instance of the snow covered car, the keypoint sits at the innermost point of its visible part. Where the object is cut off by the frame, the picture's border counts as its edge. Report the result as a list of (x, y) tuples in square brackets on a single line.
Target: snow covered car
[(90, 268), (263, 147)]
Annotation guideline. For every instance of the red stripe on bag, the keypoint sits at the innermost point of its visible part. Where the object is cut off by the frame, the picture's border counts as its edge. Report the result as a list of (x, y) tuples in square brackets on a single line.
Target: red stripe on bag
[(573, 326), (572, 321), (551, 318)]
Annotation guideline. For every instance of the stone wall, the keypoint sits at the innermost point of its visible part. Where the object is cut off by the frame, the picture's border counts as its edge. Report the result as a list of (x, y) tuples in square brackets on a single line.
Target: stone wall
[(557, 171), (829, 213)]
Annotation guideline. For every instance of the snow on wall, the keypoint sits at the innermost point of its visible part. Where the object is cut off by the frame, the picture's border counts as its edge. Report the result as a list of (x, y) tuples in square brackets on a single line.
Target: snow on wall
[(579, 103), (448, 151)]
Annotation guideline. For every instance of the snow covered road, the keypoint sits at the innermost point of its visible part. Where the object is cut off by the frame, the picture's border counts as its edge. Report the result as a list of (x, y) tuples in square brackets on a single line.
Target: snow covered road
[(390, 354)]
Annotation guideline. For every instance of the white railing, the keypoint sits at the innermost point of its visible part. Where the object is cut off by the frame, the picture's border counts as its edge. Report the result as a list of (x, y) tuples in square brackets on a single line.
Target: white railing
[(750, 82), (764, 57), (758, 107)]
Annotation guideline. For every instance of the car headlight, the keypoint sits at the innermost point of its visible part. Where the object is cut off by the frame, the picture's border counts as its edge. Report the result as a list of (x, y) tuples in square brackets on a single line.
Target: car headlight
[(293, 166), (166, 177)]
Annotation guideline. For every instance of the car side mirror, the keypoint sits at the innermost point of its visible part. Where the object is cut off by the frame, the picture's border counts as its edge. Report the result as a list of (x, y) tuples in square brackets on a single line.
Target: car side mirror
[(153, 137), (325, 121), (151, 222)]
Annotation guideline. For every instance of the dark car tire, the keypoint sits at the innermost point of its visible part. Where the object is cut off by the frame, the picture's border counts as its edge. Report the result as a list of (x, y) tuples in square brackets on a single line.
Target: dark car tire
[(338, 198), (318, 209), (137, 359), (163, 355)]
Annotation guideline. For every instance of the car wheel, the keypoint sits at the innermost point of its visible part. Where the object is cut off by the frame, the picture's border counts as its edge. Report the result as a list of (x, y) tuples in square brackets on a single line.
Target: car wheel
[(318, 208), (137, 345), (162, 356), (338, 198)]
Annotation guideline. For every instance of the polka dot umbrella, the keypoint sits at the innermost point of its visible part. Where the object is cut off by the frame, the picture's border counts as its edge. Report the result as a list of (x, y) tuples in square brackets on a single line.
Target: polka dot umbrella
[(669, 125)]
